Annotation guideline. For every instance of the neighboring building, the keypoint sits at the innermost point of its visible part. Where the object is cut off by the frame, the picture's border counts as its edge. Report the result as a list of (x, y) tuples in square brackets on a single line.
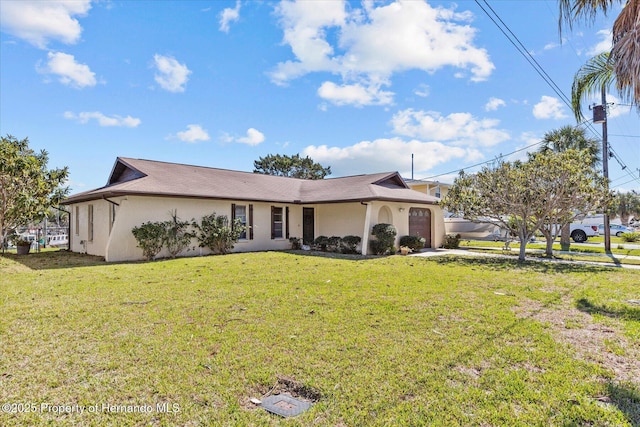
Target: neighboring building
[(273, 208), (431, 188)]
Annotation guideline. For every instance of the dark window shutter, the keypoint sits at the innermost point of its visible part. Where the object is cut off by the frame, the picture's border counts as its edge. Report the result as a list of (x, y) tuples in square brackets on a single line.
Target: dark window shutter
[(233, 215), (286, 218), (250, 222), (273, 225)]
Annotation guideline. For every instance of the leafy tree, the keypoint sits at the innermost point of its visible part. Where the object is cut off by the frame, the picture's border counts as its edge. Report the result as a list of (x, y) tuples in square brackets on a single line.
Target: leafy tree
[(524, 197), (621, 65), (626, 205), (571, 138), (27, 187), (292, 166), (176, 234), (572, 190), (216, 233)]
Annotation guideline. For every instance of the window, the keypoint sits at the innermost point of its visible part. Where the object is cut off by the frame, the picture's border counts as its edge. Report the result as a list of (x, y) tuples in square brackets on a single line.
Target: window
[(112, 216), (77, 220), (90, 222), (276, 223), (240, 213)]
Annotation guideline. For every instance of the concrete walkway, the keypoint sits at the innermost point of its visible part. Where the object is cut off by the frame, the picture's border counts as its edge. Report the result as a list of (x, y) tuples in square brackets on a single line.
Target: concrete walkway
[(472, 253)]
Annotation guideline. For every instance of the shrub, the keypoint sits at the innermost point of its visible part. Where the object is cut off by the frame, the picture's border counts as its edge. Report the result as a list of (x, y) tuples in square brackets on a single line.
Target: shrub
[(176, 234), (150, 238), (350, 244), (414, 242), (630, 237), (385, 235), (334, 244), (216, 233), (451, 241), (296, 243), (321, 243)]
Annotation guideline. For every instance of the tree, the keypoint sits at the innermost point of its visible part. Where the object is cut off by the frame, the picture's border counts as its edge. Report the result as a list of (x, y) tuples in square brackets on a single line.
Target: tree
[(571, 138), (507, 194), (27, 188), (572, 190), (626, 205), (292, 166), (524, 197), (620, 65)]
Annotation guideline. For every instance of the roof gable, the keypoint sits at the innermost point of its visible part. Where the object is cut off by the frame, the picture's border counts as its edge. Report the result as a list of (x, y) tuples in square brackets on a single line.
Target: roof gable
[(123, 172)]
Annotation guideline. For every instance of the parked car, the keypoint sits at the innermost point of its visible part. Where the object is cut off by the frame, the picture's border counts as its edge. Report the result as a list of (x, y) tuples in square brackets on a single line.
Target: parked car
[(581, 232), (616, 230)]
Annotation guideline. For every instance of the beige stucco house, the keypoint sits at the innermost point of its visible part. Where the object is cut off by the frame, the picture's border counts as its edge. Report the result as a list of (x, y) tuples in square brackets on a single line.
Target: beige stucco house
[(273, 208)]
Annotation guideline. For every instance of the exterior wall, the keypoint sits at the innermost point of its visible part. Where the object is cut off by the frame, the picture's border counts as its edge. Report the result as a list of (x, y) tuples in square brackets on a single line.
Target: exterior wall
[(79, 239), (430, 188), (335, 219)]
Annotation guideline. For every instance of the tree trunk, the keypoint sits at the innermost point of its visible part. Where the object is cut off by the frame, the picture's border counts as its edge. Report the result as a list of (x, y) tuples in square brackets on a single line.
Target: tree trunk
[(523, 246), (565, 237), (548, 251)]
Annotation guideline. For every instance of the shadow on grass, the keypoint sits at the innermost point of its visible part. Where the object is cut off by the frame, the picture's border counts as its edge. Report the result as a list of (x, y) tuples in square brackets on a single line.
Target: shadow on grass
[(51, 260), (333, 255), (626, 398), (513, 264), (625, 312)]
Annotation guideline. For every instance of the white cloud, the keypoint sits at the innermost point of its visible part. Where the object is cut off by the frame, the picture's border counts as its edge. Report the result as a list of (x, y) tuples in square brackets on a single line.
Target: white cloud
[(39, 21), (254, 137), (549, 108), (422, 90), (68, 70), (457, 128), (103, 120), (385, 155), (171, 75), (603, 45), (494, 104), (354, 94), (194, 133), (376, 41), (229, 15)]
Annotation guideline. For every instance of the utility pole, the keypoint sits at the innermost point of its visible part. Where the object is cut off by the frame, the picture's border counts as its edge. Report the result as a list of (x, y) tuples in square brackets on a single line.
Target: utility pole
[(600, 116)]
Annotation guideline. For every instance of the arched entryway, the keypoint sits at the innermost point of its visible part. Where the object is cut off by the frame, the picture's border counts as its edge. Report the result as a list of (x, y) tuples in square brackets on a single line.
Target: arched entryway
[(385, 216), (420, 224)]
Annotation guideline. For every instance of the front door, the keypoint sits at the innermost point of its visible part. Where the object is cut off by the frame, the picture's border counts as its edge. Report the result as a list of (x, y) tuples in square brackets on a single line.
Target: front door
[(308, 226), (420, 224)]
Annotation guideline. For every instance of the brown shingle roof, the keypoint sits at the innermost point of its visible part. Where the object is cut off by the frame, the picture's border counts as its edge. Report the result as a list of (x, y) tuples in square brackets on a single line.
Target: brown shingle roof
[(153, 178)]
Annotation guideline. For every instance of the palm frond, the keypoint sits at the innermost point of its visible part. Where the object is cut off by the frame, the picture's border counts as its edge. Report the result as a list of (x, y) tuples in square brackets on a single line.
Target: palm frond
[(595, 74)]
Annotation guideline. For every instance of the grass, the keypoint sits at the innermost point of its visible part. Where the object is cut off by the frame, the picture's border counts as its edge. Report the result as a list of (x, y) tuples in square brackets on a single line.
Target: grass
[(381, 341), (576, 252)]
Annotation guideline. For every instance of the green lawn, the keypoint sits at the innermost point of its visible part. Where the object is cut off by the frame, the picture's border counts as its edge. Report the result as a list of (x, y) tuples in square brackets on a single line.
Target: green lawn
[(377, 341)]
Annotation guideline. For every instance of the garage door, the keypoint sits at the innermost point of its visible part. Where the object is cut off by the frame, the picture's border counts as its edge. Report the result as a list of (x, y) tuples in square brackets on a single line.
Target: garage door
[(420, 224)]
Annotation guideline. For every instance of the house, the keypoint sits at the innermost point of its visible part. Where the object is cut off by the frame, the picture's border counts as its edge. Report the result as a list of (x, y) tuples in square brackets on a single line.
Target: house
[(273, 208), (432, 188)]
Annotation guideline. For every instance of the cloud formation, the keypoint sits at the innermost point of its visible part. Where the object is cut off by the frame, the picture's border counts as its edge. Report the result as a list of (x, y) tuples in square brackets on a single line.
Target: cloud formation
[(171, 75), (69, 71), (39, 22), (494, 103), (456, 128), (604, 45), (354, 94), (374, 42), (549, 108), (103, 120), (194, 133), (386, 154), (229, 15)]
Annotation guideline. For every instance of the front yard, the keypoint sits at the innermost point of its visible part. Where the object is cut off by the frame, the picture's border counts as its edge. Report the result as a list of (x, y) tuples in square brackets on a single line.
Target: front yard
[(381, 341)]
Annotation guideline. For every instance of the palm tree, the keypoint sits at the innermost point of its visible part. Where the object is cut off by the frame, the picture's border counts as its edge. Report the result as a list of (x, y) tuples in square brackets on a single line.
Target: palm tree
[(621, 65), (571, 138)]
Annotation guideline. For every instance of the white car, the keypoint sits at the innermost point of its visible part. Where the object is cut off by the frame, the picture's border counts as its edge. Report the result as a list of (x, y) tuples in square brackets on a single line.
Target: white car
[(616, 230)]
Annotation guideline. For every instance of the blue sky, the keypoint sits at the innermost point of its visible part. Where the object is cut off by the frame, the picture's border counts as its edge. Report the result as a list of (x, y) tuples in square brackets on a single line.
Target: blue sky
[(358, 86)]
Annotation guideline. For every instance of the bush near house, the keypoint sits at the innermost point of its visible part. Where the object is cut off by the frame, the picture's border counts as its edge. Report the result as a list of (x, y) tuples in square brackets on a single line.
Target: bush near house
[(345, 245), (150, 238), (217, 233), (451, 241), (415, 243), (385, 235)]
